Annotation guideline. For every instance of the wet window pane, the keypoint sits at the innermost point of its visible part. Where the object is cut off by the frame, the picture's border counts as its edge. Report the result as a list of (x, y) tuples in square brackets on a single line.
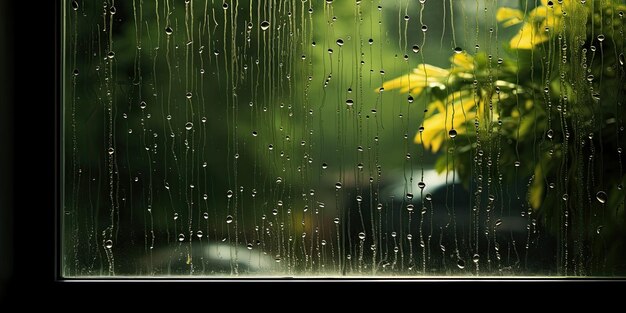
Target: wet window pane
[(343, 138)]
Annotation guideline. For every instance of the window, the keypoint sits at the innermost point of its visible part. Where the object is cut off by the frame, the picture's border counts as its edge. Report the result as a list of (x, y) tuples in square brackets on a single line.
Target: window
[(343, 138)]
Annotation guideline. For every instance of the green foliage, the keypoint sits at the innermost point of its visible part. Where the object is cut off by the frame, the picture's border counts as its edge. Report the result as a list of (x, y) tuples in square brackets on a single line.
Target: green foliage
[(552, 114)]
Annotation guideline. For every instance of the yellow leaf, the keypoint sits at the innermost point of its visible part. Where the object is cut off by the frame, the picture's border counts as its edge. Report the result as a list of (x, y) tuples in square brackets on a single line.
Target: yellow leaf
[(459, 112), (527, 38), (536, 189), (509, 16), (424, 75), (464, 61)]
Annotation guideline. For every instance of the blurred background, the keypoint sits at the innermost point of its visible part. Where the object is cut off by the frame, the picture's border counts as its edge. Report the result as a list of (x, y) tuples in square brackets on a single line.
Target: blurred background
[(251, 138)]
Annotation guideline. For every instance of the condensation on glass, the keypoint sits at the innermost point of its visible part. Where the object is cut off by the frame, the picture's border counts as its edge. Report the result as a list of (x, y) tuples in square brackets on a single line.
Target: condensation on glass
[(206, 138)]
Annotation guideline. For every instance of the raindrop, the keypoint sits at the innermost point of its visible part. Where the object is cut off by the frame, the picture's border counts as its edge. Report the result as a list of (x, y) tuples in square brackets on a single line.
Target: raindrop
[(229, 219), (265, 25), (421, 185), (111, 55), (189, 126), (349, 102), (108, 244), (142, 105), (416, 48), (181, 237), (336, 220), (461, 264), (601, 197), (476, 258), (458, 50), (452, 133), (75, 5), (338, 185), (340, 42), (199, 234), (111, 151), (621, 59), (229, 194), (205, 215), (362, 235)]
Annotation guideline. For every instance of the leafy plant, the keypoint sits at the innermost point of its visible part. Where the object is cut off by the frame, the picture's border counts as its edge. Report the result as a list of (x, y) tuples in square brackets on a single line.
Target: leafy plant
[(552, 113)]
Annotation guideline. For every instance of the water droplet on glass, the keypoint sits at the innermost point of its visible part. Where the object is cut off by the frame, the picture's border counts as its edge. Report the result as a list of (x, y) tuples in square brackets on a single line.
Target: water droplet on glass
[(421, 185), (362, 235), (461, 264), (75, 5), (142, 105), (111, 54), (265, 25), (550, 133), (199, 234), (229, 219), (458, 50), (205, 215), (498, 222), (601, 197), (476, 258), (108, 244), (340, 42), (229, 194), (416, 48), (336, 220), (452, 133), (349, 102), (189, 126), (621, 59), (111, 151), (338, 185), (181, 237)]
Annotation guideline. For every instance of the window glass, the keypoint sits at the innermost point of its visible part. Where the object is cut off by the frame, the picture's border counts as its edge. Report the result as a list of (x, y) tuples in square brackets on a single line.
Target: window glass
[(329, 138)]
